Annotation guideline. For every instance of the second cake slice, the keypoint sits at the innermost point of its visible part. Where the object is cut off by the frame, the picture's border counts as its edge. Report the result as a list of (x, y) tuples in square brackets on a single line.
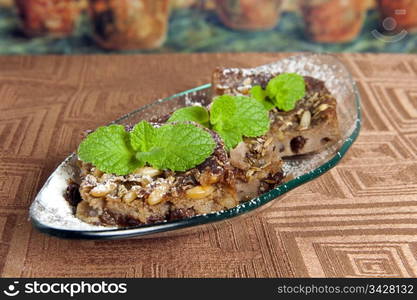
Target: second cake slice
[(310, 127)]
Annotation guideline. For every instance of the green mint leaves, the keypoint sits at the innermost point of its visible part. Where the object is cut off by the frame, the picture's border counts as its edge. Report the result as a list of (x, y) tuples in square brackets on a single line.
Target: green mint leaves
[(282, 91), (236, 116), (196, 114), (232, 117), (258, 93), (285, 90), (142, 136), (108, 148), (177, 147)]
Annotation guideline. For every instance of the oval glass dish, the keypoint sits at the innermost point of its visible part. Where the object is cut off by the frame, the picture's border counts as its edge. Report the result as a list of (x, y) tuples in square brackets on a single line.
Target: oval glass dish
[(52, 214)]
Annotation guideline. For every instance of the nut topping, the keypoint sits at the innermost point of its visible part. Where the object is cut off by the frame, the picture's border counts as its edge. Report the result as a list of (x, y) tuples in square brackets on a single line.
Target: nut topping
[(305, 120)]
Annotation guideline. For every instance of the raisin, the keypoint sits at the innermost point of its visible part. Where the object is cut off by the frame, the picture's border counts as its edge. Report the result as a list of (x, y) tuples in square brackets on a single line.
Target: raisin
[(272, 181), (325, 140), (298, 143), (113, 218), (72, 194), (278, 177)]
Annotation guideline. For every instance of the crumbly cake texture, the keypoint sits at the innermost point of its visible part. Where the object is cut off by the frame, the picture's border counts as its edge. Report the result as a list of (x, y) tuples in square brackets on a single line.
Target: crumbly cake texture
[(310, 127)]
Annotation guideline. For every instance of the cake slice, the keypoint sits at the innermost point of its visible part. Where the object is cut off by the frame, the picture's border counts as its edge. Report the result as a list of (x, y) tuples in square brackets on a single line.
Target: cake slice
[(310, 127), (149, 195)]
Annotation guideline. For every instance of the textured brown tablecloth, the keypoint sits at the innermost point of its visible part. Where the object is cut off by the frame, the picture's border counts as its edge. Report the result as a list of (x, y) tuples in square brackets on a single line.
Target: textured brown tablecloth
[(359, 219)]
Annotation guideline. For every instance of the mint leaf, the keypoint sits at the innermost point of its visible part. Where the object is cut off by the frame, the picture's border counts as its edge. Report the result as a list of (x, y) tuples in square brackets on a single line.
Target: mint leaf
[(251, 117), (108, 148), (259, 94), (142, 136), (285, 90), (222, 109), (230, 136), (179, 147), (196, 114), (235, 116), (222, 113)]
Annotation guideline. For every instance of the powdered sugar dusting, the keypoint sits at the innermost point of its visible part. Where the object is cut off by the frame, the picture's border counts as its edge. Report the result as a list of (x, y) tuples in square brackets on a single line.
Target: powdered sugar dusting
[(51, 209)]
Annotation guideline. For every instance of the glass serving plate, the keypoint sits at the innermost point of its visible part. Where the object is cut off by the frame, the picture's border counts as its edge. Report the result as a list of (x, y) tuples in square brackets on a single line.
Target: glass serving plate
[(52, 214)]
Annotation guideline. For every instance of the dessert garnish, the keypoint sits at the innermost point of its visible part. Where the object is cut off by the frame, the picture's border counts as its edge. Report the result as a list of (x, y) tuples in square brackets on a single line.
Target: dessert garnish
[(232, 117), (176, 147), (282, 91)]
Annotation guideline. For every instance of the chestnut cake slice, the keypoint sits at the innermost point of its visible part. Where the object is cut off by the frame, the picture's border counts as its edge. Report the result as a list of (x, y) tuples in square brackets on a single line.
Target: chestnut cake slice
[(150, 195), (310, 127)]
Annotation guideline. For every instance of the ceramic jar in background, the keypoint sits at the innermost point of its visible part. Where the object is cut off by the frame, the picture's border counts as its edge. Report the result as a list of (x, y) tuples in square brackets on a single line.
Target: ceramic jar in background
[(333, 21), (129, 24), (249, 14), (48, 17), (402, 12), (6, 3)]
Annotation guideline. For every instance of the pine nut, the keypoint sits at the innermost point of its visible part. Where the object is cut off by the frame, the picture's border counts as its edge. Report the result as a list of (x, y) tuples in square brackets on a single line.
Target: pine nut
[(101, 190), (305, 120), (156, 196), (130, 196), (323, 107), (199, 192), (148, 171), (213, 179)]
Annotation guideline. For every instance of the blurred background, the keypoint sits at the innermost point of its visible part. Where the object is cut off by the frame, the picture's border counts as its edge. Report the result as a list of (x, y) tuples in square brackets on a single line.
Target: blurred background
[(163, 26)]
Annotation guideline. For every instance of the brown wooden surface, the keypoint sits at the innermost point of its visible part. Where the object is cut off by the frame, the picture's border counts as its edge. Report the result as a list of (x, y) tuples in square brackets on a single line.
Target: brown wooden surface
[(357, 220)]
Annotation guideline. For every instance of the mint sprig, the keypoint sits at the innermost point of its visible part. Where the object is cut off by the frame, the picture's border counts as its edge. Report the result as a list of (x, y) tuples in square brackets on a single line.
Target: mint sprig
[(232, 117), (176, 147), (236, 116), (282, 91)]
